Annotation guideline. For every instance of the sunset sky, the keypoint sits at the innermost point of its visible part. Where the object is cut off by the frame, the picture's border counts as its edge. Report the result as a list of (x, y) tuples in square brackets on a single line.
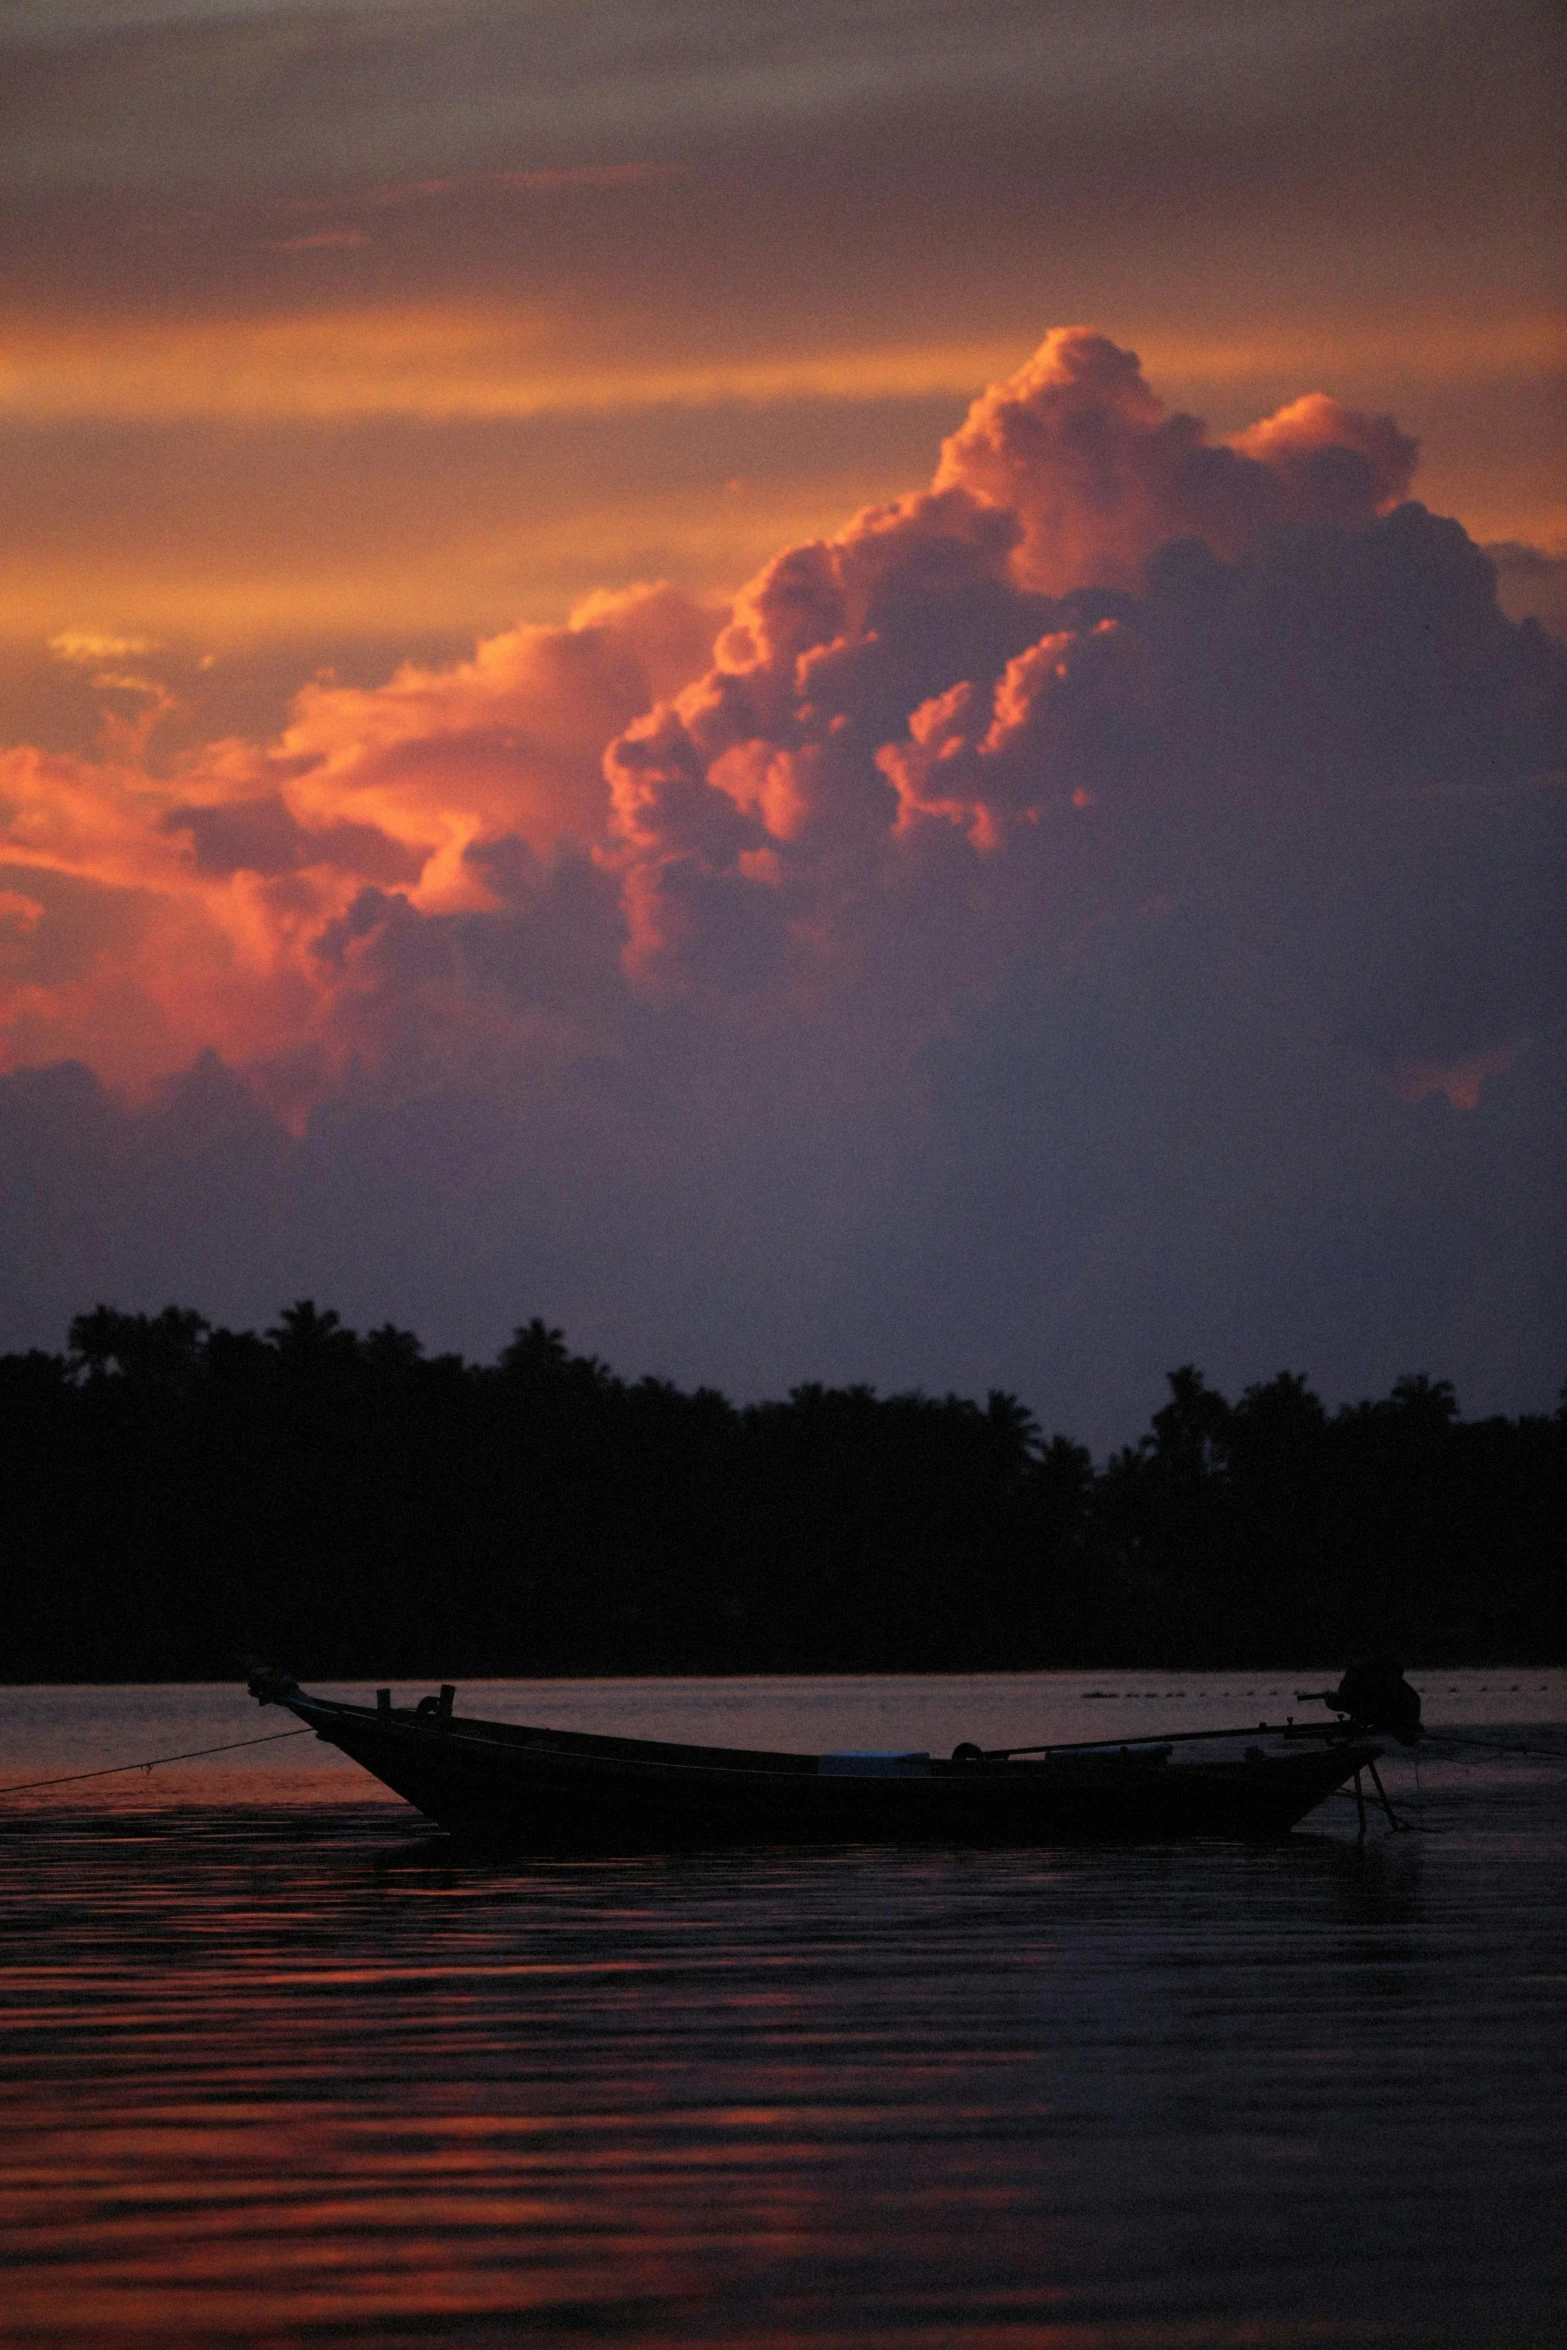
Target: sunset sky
[(763, 679)]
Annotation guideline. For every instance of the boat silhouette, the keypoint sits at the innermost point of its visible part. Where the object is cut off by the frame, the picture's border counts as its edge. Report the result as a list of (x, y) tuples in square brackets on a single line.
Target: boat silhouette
[(548, 1790)]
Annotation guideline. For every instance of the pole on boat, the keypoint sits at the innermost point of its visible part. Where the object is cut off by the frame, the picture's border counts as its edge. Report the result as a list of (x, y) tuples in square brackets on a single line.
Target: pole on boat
[(1325, 1731)]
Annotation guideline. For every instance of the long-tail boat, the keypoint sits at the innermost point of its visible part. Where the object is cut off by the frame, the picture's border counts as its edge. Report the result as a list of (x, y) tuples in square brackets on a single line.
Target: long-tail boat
[(547, 1790)]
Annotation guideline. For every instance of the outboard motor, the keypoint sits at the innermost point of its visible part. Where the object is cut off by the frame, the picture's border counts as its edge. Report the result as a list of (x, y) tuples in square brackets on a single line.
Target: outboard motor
[(269, 1685), (1376, 1696)]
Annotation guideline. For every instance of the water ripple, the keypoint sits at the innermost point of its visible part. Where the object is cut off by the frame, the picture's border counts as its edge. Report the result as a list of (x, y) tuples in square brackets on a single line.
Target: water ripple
[(295, 2072)]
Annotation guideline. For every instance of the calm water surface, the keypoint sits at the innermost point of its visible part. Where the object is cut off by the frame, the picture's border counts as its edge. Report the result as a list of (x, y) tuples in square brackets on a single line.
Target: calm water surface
[(278, 2068)]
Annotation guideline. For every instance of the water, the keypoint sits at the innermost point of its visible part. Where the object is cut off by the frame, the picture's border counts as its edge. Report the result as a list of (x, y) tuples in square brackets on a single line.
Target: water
[(278, 2069)]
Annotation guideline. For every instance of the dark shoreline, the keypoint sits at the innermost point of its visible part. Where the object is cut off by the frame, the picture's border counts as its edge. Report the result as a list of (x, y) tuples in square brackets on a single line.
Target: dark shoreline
[(175, 1499)]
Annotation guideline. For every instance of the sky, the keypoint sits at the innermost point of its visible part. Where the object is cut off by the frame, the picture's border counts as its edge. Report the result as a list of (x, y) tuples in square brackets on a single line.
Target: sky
[(853, 694)]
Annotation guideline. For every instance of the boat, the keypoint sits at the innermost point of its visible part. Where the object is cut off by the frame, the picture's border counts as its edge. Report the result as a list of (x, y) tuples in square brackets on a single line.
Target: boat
[(543, 1790)]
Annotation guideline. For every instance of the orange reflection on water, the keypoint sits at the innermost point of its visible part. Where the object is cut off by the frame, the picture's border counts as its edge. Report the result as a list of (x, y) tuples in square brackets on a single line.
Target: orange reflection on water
[(273, 2072)]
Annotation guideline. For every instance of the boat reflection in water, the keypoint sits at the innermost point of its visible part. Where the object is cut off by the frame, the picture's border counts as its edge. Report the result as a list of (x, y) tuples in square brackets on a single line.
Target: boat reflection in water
[(548, 1790)]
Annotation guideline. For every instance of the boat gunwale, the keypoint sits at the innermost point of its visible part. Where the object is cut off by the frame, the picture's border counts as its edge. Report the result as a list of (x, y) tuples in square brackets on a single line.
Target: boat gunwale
[(475, 1736)]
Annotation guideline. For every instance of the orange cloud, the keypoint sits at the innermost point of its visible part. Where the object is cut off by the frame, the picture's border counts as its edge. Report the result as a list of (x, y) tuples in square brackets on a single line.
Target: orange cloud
[(984, 688), (88, 650), (19, 913), (1082, 450), (207, 891), (326, 240), (431, 359), (509, 742), (1334, 464), (1460, 1082), (847, 665)]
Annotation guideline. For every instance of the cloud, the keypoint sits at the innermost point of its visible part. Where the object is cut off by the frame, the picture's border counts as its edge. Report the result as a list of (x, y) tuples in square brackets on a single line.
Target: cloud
[(1531, 584), (322, 240), (1459, 1081), (1293, 651), (21, 913), (1081, 450), (86, 650), (509, 742), (1102, 906), (475, 786), (263, 837)]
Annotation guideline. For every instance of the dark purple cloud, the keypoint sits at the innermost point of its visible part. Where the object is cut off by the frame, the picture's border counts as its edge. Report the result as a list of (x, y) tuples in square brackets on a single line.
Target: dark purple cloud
[(969, 981)]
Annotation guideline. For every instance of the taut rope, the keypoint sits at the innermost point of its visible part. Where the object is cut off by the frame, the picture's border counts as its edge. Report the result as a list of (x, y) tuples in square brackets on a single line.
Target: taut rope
[(111, 1770)]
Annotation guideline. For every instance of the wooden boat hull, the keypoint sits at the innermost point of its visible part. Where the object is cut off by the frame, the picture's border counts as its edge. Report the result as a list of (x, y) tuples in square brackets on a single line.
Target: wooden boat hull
[(560, 1791)]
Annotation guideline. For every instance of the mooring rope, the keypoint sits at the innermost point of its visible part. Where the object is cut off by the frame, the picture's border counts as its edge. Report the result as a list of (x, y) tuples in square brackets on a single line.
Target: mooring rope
[(112, 1770)]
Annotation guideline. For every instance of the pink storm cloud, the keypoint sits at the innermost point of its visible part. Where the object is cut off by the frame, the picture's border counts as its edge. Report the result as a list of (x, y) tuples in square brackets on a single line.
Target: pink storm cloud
[(1124, 802)]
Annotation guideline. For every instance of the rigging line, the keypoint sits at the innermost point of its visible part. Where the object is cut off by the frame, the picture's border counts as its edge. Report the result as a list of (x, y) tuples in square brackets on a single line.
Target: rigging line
[(1454, 1738), (112, 1770)]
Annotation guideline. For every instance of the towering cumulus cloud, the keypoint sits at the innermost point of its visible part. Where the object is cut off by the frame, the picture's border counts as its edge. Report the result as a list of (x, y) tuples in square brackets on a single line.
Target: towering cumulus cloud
[(1078, 447), (1099, 909)]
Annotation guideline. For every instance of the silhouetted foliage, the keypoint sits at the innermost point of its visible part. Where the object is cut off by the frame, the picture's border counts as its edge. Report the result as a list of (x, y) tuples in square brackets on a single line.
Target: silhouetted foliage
[(173, 1496)]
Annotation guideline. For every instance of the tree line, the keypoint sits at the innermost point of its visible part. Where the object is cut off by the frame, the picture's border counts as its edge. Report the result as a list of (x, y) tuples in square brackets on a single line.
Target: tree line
[(174, 1497)]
